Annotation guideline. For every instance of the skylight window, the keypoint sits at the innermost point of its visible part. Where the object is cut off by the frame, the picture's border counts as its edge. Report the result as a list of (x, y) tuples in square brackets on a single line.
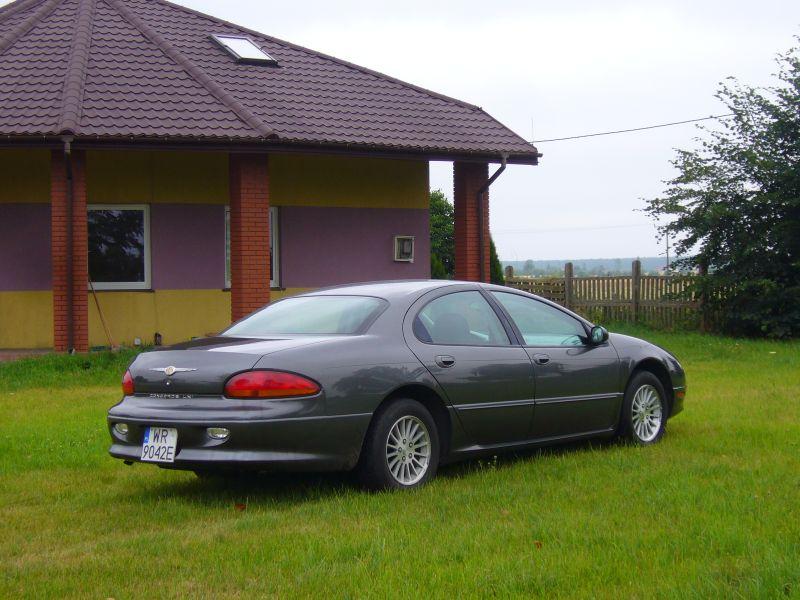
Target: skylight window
[(243, 49)]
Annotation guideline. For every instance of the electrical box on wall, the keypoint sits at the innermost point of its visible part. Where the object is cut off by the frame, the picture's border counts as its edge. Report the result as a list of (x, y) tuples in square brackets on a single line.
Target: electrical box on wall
[(404, 248)]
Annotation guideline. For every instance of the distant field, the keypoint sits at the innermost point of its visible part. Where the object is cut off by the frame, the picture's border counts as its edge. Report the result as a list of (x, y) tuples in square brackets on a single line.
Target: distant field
[(712, 511), (585, 266)]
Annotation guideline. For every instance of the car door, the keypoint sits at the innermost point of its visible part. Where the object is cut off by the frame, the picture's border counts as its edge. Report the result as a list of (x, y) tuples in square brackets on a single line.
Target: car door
[(577, 383), (461, 340)]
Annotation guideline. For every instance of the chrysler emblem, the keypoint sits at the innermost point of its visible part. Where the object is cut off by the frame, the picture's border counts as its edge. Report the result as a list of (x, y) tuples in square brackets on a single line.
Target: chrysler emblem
[(170, 370)]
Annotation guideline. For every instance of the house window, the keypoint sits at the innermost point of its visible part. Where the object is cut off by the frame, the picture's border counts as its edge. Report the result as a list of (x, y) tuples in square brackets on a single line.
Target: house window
[(243, 49), (274, 247), (119, 246)]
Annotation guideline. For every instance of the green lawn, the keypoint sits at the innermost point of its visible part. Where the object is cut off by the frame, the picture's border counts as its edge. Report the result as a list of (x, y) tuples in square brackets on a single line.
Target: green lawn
[(711, 511)]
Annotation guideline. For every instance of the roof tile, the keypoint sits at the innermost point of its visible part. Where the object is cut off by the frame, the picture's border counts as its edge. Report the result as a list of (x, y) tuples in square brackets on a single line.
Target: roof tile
[(149, 69)]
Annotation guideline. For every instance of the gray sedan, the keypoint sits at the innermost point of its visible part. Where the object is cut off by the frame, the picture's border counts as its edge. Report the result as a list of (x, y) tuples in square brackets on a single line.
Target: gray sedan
[(392, 379)]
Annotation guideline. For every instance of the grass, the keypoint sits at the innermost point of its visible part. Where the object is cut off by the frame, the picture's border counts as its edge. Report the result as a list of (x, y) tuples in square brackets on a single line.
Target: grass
[(711, 511), (58, 370)]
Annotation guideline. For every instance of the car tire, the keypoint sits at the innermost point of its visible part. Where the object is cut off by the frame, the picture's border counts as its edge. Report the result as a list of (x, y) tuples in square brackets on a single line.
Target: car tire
[(401, 449), (645, 410)]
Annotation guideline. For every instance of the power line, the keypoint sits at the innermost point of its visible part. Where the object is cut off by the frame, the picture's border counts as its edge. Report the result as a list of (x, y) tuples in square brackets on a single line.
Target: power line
[(588, 135), (575, 228)]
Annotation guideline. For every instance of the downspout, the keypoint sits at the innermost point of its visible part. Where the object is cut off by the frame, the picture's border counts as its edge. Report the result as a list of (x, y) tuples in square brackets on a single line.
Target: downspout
[(70, 199), (480, 198)]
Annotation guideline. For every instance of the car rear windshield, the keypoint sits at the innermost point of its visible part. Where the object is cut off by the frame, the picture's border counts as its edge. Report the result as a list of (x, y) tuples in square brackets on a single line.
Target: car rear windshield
[(320, 315)]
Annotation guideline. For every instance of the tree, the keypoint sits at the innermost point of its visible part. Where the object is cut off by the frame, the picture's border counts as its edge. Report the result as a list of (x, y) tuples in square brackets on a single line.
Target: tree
[(495, 266), (528, 267), (443, 246), (734, 207)]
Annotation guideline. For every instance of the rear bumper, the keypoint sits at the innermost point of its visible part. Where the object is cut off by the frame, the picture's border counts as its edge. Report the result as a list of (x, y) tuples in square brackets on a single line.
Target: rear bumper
[(294, 441)]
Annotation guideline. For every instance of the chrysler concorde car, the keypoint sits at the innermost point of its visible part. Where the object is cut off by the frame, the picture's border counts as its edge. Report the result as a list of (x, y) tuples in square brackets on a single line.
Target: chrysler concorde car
[(391, 379)]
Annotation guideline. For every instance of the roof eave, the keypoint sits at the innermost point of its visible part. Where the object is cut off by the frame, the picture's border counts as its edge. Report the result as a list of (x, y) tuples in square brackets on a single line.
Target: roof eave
[(274, 146)]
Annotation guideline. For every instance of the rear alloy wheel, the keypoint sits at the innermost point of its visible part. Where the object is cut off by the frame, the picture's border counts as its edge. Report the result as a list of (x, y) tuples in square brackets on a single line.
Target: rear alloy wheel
[(408, 450), (402, 447), (645, 410)]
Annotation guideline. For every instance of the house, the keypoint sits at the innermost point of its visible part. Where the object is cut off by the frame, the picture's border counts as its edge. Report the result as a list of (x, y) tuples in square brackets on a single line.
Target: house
[(165, 172)]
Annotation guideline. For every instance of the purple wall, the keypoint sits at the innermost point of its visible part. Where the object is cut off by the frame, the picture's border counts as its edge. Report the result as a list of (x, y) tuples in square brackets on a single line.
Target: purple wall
[(25, 247), (187, 246), (318, 245), (327, 246)]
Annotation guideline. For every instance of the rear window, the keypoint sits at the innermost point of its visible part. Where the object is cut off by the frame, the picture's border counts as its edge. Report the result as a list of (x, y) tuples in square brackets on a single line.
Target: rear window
[(320, 315)]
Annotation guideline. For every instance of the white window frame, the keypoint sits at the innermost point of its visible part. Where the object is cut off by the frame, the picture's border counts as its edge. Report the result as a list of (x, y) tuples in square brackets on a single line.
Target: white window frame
[(274, 246), (264, 58), (127, 285)]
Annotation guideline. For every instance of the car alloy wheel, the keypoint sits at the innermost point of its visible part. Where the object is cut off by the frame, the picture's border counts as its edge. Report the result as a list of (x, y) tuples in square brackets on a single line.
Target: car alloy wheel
[(408, 450), (647, 413), (401, 447)]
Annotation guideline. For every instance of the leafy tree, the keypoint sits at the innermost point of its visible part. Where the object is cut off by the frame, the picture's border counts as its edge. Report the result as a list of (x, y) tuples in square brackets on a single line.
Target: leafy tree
[(735, 207), (437, 268), (528, 267), (495, 267), (443, 245)]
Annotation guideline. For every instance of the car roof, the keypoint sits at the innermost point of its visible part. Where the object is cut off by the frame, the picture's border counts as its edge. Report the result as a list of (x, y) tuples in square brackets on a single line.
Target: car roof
[(405, 291), (390, 290)]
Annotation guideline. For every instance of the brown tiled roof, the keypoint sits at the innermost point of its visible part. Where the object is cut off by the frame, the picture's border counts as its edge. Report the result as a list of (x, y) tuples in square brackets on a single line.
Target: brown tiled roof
[(149, 70)]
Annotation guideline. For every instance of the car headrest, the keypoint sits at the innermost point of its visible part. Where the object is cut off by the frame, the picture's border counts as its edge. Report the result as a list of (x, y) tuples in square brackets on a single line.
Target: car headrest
[(451, 328)]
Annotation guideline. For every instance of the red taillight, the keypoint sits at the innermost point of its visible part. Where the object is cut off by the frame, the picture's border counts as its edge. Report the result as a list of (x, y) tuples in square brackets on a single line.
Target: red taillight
[(127, 384), (269, 384)]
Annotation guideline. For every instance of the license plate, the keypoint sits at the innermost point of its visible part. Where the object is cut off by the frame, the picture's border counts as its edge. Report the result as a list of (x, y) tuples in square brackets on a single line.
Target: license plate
[(159, 444)]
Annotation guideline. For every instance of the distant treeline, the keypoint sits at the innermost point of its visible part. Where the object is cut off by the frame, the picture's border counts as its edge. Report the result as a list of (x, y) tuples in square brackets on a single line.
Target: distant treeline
[(588, 267)]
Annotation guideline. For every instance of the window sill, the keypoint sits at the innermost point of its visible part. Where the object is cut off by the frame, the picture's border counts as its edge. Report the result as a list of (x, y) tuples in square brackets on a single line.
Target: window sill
[(272, 289), (104, 290)]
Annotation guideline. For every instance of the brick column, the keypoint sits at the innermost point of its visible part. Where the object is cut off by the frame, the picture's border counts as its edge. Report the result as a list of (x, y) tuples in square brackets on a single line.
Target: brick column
[(70, 269), (467, 180), (249, 201)]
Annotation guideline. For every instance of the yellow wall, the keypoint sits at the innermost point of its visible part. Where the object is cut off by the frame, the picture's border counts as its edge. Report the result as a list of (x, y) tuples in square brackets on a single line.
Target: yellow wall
[(24, 175), (178, 315), (145, 177), (26, 319), (311, 180)]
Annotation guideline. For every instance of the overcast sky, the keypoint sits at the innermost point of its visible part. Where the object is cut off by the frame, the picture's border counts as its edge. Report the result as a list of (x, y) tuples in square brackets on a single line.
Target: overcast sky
[(553, 69), (557, 69)]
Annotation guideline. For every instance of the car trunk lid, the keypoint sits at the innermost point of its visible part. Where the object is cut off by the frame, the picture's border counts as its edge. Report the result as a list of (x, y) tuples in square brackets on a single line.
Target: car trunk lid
[(202, 366)]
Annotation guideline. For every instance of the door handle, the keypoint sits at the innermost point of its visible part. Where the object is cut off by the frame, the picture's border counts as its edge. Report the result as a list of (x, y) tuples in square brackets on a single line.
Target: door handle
[(445, 361), (541, 359)]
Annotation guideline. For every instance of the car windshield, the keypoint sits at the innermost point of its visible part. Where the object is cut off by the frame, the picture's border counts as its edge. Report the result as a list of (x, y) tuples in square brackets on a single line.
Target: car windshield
[(320, 315)]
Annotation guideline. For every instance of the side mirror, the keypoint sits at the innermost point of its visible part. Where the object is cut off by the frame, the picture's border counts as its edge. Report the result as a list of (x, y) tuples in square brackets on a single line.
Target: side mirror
[(598, 335)]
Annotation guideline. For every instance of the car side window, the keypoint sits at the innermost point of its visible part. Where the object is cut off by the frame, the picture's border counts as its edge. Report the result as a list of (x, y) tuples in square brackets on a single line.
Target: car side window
[(462, 319), (540, 324)]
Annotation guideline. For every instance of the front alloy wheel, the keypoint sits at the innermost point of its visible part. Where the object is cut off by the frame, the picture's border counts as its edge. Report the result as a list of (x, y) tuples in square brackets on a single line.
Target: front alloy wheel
[(647, 413), (644, 412)]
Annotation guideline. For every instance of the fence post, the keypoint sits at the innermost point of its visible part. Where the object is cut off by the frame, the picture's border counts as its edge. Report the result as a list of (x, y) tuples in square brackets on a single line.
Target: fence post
[(509, 272), (636, 288), (703, 299), (568, 285)]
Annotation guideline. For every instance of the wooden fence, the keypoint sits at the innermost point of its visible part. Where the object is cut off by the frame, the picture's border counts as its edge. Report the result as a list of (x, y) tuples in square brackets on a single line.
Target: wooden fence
[(650, 299)]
